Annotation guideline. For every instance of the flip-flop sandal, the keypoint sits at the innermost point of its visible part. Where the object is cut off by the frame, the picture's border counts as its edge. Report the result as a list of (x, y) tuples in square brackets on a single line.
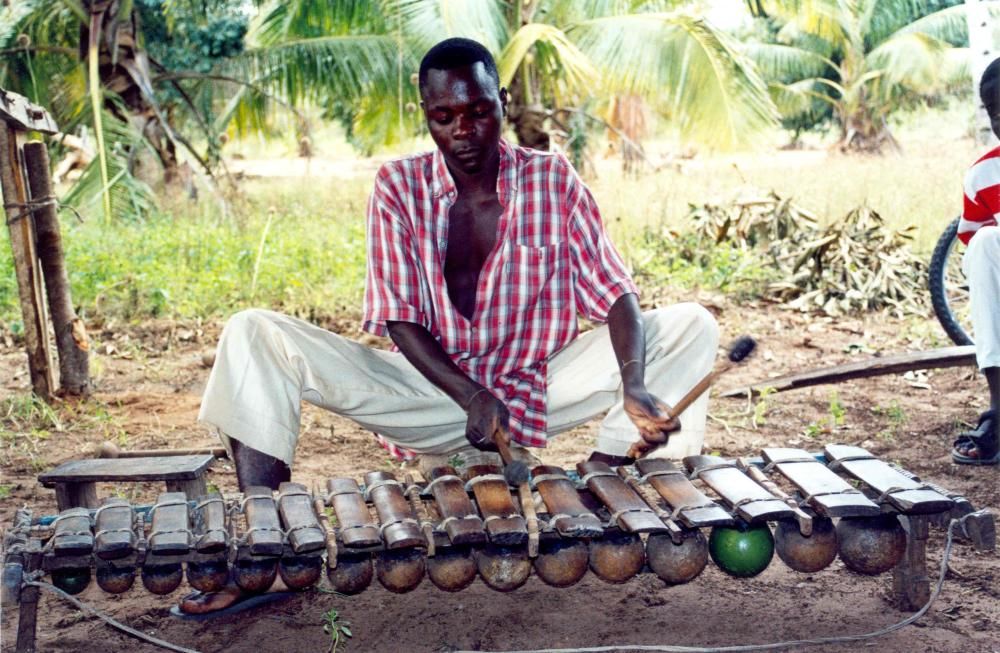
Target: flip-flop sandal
[(979, 441), (248, 603)]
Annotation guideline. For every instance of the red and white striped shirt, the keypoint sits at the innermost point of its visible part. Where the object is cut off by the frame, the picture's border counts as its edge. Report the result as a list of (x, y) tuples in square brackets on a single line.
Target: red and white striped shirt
[(552, 260), (982, 196)]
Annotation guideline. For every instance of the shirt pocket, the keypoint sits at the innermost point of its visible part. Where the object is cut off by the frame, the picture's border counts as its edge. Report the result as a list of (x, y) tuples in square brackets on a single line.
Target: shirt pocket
[(539, 276)]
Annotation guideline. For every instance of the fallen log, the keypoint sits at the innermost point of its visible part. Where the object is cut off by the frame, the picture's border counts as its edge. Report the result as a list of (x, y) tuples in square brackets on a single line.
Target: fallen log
[(878, 366)]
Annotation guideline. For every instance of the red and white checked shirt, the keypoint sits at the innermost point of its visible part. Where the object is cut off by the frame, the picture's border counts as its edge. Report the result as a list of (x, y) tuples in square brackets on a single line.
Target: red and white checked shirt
[(552, 260), (982, 196)]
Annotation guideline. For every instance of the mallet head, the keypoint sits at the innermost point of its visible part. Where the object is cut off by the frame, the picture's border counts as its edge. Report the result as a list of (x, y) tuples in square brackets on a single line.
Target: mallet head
[(516, 472), (740, 348)]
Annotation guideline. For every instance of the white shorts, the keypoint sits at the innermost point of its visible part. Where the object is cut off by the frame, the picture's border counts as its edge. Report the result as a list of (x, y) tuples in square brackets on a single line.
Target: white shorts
[(267, 363)]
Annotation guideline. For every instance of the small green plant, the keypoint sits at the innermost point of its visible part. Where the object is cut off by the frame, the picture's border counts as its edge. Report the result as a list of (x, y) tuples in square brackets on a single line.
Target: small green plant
[(336, 629), (762, 406), (5, 491), (457, 462), (837, 411)]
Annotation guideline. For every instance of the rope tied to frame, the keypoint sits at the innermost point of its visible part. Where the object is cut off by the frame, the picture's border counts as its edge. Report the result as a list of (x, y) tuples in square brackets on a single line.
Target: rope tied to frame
[(25, 209)]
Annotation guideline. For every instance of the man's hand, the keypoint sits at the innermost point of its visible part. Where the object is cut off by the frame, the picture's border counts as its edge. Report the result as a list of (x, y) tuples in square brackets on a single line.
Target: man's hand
[(487, 416), (652, 417)]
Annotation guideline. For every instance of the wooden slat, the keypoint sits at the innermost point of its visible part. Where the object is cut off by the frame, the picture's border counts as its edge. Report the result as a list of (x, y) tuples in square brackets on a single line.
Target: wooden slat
[(73, 535), (115, 529), (355, 525), (749, 500), (170, 534), (128, 469), (461, 521), (504, 524), (263, 533), (674, 487), (400, 528), (902, 492), (20, 113), (634, 515), (827, 494), (561, 498), (894, 364), (209, 524), (298, 519)]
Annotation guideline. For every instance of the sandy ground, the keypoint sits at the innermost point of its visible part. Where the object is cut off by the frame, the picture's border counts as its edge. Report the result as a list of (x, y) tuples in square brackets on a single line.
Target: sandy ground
[(151, 376)]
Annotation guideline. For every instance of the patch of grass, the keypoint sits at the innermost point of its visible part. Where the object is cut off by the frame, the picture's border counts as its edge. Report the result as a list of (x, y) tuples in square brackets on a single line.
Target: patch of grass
[(761, 407), (5, 491), (336, 629), (895, 415)]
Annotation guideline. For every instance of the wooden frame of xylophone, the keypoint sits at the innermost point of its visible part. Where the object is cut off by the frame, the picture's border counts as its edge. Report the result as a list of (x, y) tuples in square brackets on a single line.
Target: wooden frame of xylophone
[(454, 528)]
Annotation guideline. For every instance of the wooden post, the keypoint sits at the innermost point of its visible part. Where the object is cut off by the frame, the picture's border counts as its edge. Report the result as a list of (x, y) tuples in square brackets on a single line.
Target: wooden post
[(29, 278), (910, 582), (71, 334), (17, 117)]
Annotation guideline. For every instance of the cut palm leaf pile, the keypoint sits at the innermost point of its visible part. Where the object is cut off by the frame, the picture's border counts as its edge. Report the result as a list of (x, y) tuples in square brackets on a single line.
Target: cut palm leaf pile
[(852, 265)]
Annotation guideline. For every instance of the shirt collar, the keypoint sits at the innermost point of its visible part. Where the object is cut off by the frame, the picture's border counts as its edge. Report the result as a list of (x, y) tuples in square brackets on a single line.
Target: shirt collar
[(443, 184)]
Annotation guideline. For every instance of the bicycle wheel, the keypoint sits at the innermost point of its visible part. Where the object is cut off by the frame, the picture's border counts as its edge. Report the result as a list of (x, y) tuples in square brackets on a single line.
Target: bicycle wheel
[(949, 288)]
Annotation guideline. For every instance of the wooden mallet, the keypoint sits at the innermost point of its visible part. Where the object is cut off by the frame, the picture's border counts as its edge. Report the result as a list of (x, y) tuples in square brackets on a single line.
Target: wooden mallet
[(111, 450), (739, 350), (515, 471)]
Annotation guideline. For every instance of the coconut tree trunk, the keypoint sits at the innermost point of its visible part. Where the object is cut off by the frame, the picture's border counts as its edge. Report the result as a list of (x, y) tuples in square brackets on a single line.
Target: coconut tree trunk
[(71, 334), (524, 110)]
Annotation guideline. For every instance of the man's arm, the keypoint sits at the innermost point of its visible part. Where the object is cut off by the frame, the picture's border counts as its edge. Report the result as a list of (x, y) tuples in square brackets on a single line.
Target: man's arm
[(649, 414), (486, 413)]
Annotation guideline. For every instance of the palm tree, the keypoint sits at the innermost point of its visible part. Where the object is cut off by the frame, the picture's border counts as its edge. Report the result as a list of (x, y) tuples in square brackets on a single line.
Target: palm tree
[(552, 54), (864, 58)]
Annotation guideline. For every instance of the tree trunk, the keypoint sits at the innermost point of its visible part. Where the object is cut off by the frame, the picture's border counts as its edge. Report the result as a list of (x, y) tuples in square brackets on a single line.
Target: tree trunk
[(984, 45), (71, 335)]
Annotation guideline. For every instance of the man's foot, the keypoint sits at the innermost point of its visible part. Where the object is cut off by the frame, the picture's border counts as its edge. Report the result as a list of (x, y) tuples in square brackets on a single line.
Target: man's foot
[(201, 602), (980, 446), (206, 602), (612, 461)]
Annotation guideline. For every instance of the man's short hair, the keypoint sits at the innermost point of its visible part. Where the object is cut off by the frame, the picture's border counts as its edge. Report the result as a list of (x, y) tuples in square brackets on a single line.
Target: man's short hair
[(989, 88), (457, 53)]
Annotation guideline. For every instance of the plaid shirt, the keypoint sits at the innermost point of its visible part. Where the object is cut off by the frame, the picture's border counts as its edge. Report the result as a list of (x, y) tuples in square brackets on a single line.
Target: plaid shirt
[(552, 260)]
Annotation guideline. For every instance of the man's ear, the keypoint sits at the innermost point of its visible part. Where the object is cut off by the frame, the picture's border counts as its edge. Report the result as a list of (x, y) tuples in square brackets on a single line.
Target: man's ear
[(503, 100)]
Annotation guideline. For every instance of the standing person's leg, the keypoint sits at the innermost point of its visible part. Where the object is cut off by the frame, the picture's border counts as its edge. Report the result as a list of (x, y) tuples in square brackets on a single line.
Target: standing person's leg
[(584, 380), (268, 363), (981, 265)]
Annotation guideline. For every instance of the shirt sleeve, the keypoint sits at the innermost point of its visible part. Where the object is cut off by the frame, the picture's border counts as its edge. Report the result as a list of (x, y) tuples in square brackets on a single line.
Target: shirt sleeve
[(600, 276), (393, 277), (974, 217)]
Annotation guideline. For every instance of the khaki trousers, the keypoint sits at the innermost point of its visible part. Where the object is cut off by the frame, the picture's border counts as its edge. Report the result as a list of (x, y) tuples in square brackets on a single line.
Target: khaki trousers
[(268, 363), (981, 265)]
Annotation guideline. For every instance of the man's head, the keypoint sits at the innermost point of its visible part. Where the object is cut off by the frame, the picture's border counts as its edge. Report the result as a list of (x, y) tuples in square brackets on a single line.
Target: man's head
[(989, 91), (463, 103)]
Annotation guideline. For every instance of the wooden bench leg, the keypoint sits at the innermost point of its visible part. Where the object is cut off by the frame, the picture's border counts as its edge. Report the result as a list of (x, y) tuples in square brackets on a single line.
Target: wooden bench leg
[(192, 488), (27, 614), (76, 495), (909, 578)]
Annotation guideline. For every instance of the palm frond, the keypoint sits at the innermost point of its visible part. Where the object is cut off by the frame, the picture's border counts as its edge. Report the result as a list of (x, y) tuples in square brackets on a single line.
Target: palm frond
[(574, 64), (686, 68), (947, 24), (425, 22), (776, 61), (911, 59)]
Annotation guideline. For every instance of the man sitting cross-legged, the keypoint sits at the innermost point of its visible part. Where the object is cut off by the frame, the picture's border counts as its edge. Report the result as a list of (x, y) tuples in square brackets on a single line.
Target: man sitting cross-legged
[(981, 263), (480, 257)]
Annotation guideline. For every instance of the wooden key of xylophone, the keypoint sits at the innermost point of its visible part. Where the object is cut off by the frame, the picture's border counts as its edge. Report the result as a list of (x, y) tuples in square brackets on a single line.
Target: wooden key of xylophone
[(73, 542), (256, 564), (305, 536), (628, 510), (460, 520), (568, 516), (824, 491), (355, 526), (903, 493), (209, 572), (399, 526), (746, 498), (689, 505), (505, 526), (169, 538), (114, 541)]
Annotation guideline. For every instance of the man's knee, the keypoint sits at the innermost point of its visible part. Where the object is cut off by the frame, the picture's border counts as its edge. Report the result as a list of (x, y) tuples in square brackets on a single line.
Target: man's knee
[(985, 243), (241, 325), (694, 319)]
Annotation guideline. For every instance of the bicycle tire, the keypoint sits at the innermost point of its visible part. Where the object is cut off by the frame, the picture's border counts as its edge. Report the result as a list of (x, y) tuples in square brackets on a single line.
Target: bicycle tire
[(944, 248)]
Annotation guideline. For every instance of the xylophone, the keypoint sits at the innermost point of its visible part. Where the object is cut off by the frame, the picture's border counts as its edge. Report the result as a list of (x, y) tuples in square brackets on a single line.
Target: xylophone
[(454, 527)]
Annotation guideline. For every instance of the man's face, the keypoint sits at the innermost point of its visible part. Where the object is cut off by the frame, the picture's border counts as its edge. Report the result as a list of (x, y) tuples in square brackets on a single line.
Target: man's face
[(464, 112)]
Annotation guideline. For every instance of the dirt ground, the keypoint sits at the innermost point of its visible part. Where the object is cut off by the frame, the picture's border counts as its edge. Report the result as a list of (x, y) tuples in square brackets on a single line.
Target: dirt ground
[(151, 376)]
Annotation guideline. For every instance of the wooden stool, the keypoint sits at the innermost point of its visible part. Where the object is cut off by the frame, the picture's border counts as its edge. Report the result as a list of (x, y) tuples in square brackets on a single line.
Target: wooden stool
[(76, 481)]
